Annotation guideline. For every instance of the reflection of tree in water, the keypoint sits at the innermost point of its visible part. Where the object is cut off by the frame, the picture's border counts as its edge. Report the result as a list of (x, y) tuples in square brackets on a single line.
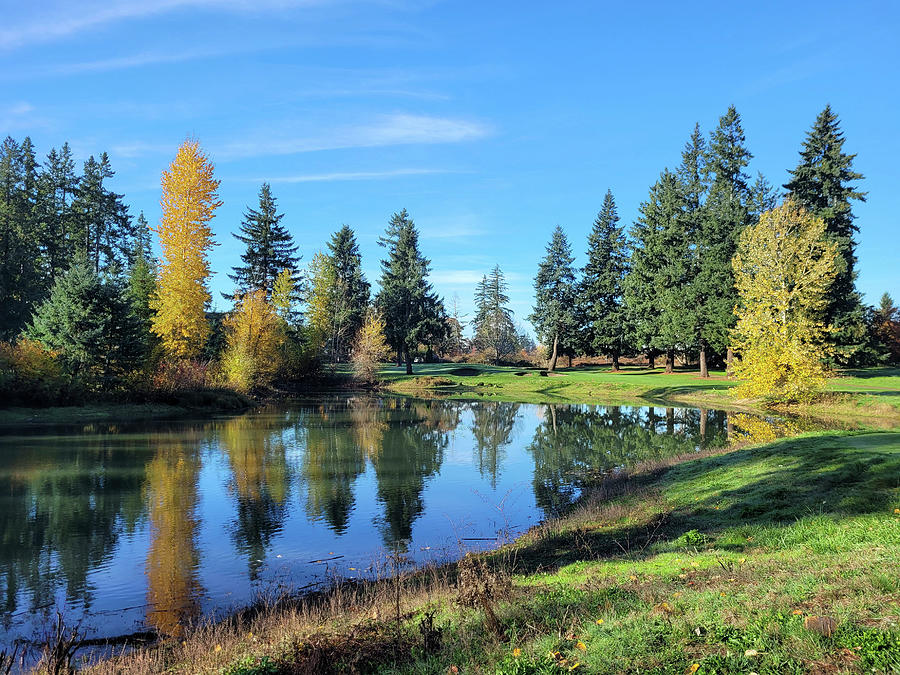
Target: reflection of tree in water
[(575, 441), (412, 451), (331, 464), (492, 424), (59, 520), (173, 587), (261, 478)]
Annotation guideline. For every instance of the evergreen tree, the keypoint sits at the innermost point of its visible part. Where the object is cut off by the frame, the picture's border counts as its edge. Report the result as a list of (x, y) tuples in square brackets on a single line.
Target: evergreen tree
[(412, 312), (686, 300), (270, 247), (141, 290), (351, 292), (493, 324), (101, 219), (726, 214), (554, 315), (89, 321), (58, 185), (601, 289), (20, 276), (823, 183)]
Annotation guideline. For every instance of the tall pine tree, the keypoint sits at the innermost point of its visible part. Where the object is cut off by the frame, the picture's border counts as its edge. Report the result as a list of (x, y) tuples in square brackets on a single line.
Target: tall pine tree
[(493, 323), (602, 284), (351, 292), (823, 183), (726, 214), (554, 315), (270, 247), (412, 312)]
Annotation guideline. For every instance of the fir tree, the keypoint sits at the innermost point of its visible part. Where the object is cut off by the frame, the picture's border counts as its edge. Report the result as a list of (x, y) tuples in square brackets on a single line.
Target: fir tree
[(270, 247), (20, 277), (351, 293), (413, 314), (142, 289), (493, 324), (726, 214), (90, 322), (823, 183), (554, 315), (601, 289)]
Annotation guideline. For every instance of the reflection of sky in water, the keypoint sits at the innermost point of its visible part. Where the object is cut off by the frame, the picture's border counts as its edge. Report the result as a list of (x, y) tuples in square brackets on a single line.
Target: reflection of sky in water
[(274, 491)]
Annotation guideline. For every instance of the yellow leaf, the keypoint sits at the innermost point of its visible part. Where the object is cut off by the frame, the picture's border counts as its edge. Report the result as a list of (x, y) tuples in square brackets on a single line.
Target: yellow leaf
[(517, 652), (599, 621), (580, 645), (694, 667)]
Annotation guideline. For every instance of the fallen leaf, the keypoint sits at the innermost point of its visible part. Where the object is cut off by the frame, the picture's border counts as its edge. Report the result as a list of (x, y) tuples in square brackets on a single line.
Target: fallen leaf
[(751, 653)]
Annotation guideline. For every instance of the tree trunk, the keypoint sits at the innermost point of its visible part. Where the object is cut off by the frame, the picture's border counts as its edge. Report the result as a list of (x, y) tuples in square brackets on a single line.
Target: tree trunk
[(408, 357), (729, 426), (570, 360), (729, 358), (615, 362), (670, 421), (399, 356), (704, 371), (553, 417), (651, 418), (651, 359), (703, 414), (670, 360), (554, 355)]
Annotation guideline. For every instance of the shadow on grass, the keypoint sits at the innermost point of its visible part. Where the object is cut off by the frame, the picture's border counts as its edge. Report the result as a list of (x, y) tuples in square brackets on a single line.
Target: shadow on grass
[(828, 475)]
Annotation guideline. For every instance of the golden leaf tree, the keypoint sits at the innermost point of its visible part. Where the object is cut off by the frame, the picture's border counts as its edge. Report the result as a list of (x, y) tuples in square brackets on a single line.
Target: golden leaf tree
[(783, 269), (322, 289), (254, 334), (189, 201), (370, 347)]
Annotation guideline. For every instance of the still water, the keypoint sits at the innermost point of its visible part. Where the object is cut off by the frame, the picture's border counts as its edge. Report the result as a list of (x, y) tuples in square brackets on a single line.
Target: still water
[(146, 526)]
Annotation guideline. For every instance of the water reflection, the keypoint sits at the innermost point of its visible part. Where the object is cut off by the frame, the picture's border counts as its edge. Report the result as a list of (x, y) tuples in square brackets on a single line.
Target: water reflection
[(173, 520)]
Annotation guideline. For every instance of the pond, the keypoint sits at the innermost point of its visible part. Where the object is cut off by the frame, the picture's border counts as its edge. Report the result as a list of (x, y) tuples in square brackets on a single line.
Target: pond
[(146, 526)]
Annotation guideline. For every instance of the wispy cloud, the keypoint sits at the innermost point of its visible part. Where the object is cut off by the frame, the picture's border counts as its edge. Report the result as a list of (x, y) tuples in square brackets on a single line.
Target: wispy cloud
[(65, 18), (398, 129), (21, 115), (347, 175), (456, 277)]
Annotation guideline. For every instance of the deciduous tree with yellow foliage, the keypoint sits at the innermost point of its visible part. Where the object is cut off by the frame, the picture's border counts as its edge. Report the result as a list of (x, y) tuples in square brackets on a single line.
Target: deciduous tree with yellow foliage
[(783, 269), (254, 334), (370, 347), (189, 201)]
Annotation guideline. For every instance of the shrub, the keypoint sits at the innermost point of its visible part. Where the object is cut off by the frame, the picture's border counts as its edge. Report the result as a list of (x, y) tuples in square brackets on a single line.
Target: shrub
[(181, 375), (30, 374)]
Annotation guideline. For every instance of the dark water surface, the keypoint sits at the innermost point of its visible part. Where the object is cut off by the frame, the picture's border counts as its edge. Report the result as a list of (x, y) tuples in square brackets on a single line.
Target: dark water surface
[(130, 527)]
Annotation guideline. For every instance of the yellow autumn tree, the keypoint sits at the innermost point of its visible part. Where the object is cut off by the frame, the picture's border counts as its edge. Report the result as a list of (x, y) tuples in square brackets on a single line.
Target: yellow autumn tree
[(783, 269), (189, 201), (254, 334), (370, 348), (283, 291), (322, 285)]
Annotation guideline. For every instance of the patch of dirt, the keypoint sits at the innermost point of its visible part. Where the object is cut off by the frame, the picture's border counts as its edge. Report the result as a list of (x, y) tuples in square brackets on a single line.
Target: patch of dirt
[(464, 372)]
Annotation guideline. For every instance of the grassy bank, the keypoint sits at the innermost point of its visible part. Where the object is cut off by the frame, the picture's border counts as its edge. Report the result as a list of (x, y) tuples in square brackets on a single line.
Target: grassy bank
[(866, 397), (780, 558), (178, 404)]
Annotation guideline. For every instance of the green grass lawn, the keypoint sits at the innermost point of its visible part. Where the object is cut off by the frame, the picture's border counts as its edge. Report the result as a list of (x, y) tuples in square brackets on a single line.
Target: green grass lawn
[(869, 397)]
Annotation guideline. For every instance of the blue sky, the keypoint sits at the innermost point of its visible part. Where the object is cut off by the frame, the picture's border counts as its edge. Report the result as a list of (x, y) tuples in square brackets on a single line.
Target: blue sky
[(491, 122)]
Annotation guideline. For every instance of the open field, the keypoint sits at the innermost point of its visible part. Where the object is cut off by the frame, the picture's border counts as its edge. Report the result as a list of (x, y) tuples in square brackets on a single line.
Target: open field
[(780, 558)]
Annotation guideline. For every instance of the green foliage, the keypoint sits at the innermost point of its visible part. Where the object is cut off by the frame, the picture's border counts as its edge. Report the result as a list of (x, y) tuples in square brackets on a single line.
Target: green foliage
[(601, 292), (824, 183), (726, 213), (412, 312), (269, 248), (351, 291), (554, 316), (493, 323), (89, 320), (253, 665)]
